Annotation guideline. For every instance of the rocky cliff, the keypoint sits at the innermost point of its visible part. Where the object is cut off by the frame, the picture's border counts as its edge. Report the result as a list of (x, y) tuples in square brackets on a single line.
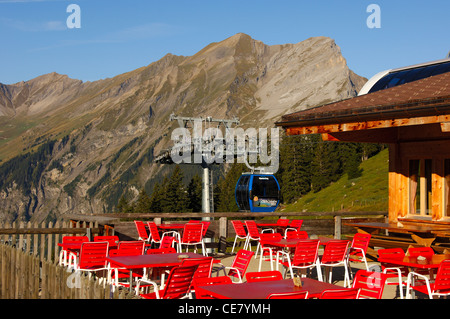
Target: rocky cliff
[(87, 143)]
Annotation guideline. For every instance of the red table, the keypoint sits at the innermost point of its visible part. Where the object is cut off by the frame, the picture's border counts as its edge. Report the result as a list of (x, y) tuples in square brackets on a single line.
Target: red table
[(170, 226), (292, 242), (261, 290), (430, 262), (148, 261)]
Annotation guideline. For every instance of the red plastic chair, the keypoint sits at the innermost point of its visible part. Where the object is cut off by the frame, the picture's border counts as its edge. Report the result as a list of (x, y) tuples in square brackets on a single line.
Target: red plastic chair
[(391, 270), (263, 276), (420, 251), (297, 234), (112, 240), (142, 232), (238, 266), (358, 248), (334, 255), (125, 248), (371, 284), (240, 231), (155, 238), (167, 242), (440, 286), (267, 250), (177, 286), (193, 236), (92, 257), (348, 293), (64, 253), (203, 294), (289, 295), (305, 257), (204, 268), (252, 234)]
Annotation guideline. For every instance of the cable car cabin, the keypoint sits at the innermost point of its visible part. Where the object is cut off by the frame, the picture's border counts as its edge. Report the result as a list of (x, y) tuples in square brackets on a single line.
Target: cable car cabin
[(257, 193)]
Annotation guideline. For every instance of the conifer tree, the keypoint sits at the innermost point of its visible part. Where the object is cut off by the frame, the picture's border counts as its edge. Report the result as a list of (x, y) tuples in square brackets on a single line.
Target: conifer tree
[(194, 191), (142, 204)]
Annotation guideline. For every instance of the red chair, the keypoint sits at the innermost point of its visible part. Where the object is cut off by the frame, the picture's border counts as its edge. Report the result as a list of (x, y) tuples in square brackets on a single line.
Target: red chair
[(177, 286), (252, 234), (267, 250), (112, 240), (420, 251), (64, 253), (305, 257), (203, 294), (155, 238), (440, 286), (358, 248), (204, 267), (371, 284), (298, 234), (334, 255), (240, 231), (92, 257), (238, 266), (349, 293), (125, 248), (142, 232), (263, 276), (295, 225), (391, 270), (289, 295), (193, 236), (167, 242)]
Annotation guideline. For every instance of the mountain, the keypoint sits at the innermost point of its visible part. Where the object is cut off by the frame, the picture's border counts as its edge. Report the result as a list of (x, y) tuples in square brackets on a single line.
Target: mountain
[(68, 146)]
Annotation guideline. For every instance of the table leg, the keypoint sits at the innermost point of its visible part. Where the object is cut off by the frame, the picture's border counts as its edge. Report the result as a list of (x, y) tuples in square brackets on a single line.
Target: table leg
[(131, 280)]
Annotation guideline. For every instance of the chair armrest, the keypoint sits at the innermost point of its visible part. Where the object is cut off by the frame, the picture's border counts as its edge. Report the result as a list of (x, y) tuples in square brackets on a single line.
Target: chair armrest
[(149, 282), (408, 283), (237, 271)]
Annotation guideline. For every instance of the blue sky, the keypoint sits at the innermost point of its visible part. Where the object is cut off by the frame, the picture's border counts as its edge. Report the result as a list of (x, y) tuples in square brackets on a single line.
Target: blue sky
[(120, 36)]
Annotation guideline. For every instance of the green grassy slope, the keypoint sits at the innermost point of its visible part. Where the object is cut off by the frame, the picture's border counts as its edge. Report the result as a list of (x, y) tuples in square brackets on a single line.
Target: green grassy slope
[(366, 193)]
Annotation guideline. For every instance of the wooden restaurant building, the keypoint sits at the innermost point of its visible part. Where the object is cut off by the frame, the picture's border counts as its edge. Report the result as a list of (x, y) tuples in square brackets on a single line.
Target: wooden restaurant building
[(409, 110)]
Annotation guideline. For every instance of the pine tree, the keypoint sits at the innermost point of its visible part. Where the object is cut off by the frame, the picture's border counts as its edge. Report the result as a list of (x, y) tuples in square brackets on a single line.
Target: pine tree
[(143, 203), (156, 198), (175, 196), (226, 186), (123, 206), (194, 192)]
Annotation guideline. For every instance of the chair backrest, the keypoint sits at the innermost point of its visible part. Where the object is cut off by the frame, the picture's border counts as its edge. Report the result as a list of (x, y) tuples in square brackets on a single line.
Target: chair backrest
[(205, 227), (335, 251), (167, 242), (252, 229), (420, 251), (371, 284), (178, 282), (241, 262), (204, 266), (142, 232), (269, 236), (200, 293), (112, 240), (297, 234), (296, 223), (93, 255), (442, 281), (289, 295), (75, 239), (282, 222), (239, 228), (263, 276), (154, 233), (130, 248), (347, 293), (193, 233), (169, 250), (392, 253), (306, 252), (360, 241)]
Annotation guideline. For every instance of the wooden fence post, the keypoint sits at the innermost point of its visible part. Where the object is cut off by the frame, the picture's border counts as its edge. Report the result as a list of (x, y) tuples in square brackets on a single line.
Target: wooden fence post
[(337, 227)]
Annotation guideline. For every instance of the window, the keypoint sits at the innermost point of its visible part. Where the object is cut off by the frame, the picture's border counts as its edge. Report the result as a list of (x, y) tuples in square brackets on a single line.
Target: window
[(420, 187)]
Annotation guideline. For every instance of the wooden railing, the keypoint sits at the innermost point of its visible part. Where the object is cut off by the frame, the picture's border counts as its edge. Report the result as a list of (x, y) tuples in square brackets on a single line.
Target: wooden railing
[(25, 276)]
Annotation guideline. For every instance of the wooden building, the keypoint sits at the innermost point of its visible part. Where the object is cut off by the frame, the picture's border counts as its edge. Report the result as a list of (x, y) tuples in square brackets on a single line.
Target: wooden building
[(408, 109)]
